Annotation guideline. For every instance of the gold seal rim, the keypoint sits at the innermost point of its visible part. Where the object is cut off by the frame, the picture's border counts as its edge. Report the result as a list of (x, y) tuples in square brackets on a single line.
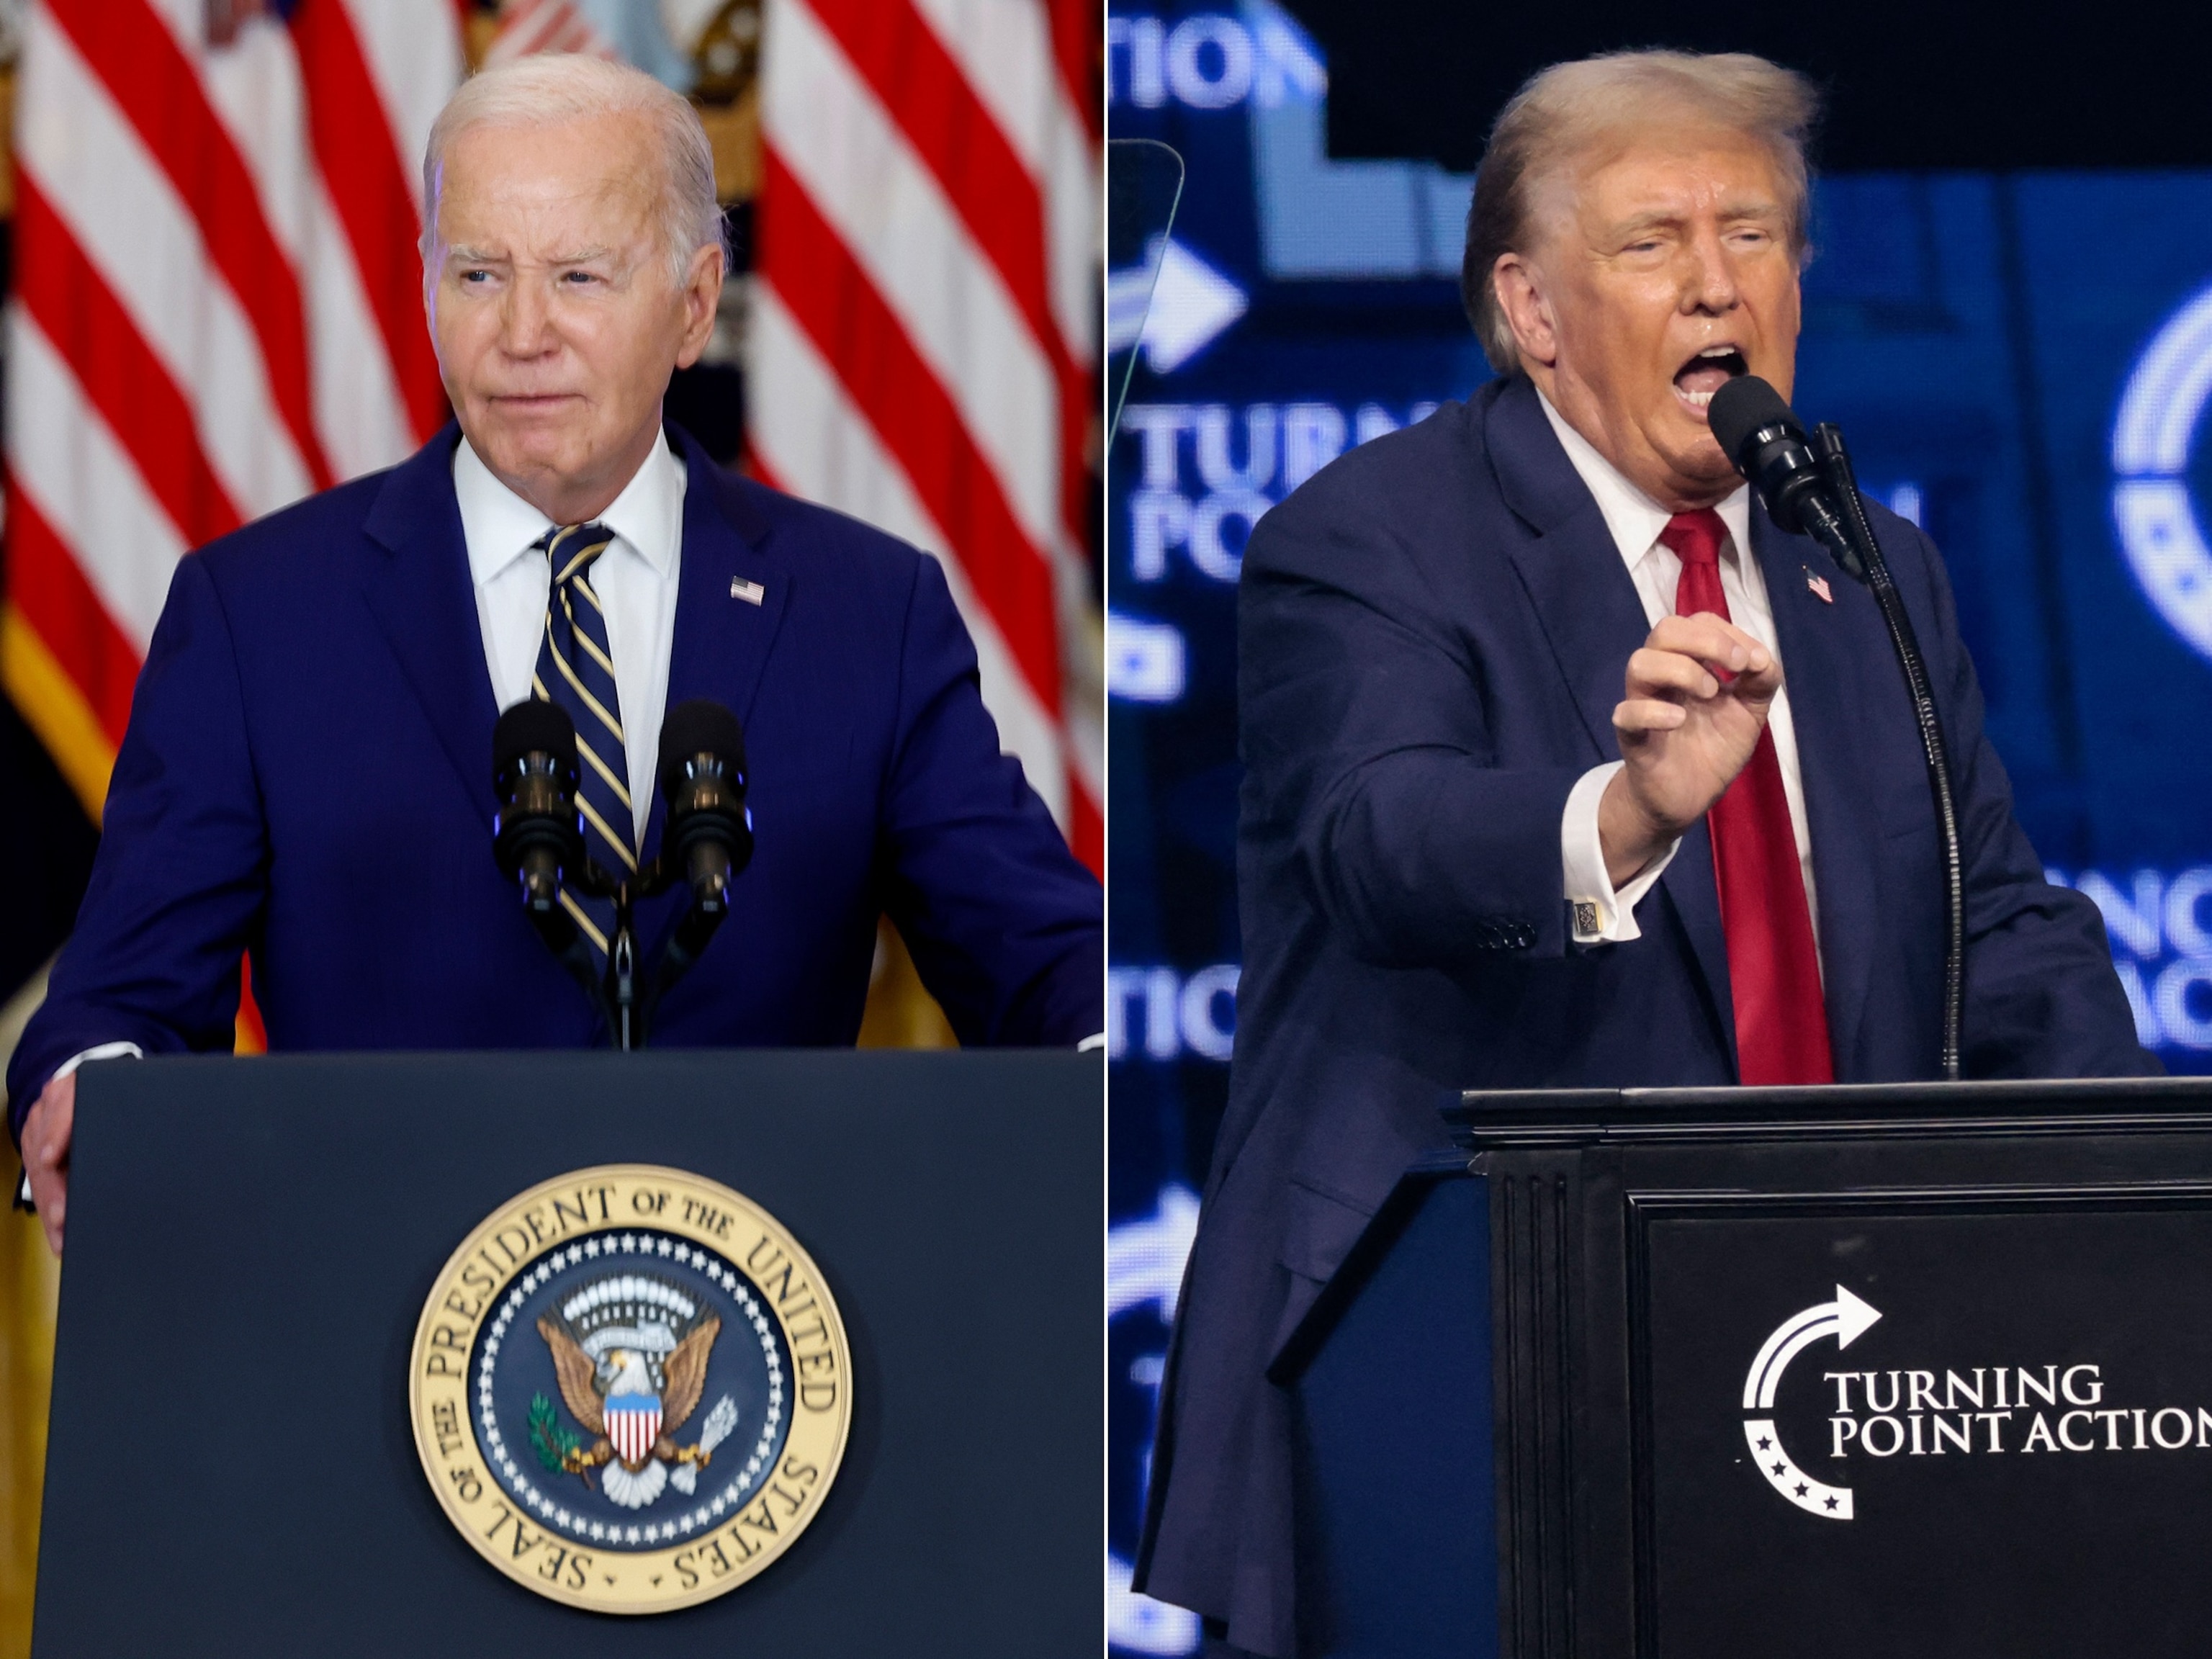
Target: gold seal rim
[(438, 1466)]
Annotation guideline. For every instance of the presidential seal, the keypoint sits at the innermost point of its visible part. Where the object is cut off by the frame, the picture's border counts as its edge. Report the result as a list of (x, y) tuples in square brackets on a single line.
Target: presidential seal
[(630, 1390)]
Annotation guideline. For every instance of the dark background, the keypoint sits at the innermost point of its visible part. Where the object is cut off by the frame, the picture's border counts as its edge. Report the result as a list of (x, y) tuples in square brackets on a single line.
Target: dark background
[(2007, 214), (1911, 85)]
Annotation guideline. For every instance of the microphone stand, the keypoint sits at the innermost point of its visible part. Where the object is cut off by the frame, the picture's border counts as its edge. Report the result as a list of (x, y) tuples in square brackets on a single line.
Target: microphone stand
[(538, 835), (541, 902), (1835, 463), (624, 996)]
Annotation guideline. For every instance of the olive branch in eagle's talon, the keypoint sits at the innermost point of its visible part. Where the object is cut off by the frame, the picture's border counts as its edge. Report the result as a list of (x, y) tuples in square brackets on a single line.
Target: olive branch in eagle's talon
[(560, 1449)]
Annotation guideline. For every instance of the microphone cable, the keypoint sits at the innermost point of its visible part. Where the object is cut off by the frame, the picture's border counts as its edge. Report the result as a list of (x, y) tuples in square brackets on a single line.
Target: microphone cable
[(1808, 488)]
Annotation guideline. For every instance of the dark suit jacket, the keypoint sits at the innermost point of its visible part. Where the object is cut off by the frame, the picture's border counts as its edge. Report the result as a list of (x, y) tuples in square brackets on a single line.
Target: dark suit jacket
[(1434, 633), (307, 774)]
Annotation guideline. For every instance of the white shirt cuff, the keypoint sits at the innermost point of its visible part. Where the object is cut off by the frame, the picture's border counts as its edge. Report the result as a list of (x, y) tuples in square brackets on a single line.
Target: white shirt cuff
[(1602, 914), (104, 1051)]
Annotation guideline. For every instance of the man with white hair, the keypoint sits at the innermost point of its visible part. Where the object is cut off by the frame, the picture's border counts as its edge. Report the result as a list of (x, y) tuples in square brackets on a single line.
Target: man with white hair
[(1530, 804), (307, 772)]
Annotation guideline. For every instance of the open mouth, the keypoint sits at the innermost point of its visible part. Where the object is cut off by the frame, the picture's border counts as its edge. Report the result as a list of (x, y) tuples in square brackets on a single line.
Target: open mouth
[(1697, 381)]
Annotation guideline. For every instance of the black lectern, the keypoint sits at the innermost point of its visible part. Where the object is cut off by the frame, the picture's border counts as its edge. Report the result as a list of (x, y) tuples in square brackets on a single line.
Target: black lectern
[(1914, 1370), (231, 1466)]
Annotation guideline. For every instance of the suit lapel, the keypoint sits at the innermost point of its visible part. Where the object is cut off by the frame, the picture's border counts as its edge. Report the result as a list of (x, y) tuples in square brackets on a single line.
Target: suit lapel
[(419, 591), (1584, 597), (1593, 619), (730, 593), (1828, 648)]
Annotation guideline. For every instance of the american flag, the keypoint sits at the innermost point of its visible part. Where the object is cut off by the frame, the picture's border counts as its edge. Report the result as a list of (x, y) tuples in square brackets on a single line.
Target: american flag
[(217, 306), (923, 330), (535, 26)]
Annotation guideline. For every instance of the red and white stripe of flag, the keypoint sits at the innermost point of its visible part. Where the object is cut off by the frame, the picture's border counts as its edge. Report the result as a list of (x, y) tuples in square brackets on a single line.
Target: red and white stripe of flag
[(217, 309), (634, 1426), (535, 26), (924, 331)]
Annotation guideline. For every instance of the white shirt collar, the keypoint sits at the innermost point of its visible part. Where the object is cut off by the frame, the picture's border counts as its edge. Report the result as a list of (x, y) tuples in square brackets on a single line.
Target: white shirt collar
[(499, 526), (1633, 517)]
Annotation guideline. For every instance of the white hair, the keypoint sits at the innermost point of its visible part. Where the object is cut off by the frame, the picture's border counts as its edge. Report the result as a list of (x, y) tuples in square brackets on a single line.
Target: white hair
[(552, 87)]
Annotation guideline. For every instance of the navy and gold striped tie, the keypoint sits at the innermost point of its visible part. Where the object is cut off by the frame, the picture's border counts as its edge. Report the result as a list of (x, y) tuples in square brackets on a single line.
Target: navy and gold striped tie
[(576, 671)]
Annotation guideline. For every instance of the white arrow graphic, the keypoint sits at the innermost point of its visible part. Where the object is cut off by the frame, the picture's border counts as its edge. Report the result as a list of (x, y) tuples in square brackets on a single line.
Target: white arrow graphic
[(1846, 1319), (1175, 312)]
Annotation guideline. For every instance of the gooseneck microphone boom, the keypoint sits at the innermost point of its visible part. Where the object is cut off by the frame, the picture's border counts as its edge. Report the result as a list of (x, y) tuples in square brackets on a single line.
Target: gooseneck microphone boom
[(538, 838), (1808, 488), (537, 834), (703, 773), (709, 838)]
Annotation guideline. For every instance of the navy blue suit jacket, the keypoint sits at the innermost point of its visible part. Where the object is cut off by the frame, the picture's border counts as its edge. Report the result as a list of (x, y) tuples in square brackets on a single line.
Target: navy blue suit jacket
[(307, 774), (1434, 633)]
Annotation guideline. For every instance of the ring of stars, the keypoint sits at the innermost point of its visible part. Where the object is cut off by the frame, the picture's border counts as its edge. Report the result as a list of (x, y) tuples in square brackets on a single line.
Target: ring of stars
[(514, 1475)]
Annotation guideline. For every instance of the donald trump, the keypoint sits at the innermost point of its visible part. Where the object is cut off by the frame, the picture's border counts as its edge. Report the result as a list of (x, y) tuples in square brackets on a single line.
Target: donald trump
[(1564, 768)]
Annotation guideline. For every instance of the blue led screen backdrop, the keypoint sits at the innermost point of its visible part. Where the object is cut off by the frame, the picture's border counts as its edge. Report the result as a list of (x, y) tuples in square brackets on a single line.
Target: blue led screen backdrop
[(2022, 362)]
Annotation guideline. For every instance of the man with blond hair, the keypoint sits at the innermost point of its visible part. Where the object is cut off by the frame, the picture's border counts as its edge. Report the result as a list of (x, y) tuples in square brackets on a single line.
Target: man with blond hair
[(1566, 767), (307, 773)]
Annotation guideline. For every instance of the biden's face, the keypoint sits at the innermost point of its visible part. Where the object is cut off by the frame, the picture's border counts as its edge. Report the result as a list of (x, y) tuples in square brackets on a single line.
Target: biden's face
[(1662, 269), (556, 317)]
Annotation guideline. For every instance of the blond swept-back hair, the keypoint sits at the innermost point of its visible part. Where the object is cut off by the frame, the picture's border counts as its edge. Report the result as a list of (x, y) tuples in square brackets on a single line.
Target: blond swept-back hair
[(1566, 112), (555, 87)]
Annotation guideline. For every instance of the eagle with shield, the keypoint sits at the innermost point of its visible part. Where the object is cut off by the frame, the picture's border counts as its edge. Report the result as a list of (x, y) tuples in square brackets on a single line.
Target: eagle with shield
[(630, 1386)]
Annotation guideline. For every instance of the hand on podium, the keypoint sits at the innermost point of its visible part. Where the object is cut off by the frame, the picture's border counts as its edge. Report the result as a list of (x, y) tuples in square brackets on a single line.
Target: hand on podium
[(45, 1153)]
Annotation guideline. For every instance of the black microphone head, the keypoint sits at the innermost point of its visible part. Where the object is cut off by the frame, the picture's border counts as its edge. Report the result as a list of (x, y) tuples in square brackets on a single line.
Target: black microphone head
[(701, 726), (1743, 408), (532, 726), (536, 831)]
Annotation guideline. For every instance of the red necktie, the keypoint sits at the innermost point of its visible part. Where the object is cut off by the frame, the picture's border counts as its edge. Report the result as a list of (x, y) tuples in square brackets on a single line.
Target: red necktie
[(1781, 1023)]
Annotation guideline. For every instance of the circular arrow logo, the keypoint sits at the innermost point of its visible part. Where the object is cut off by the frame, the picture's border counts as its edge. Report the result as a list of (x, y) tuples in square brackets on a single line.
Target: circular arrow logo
[(2151, 441), (1846, 1319)]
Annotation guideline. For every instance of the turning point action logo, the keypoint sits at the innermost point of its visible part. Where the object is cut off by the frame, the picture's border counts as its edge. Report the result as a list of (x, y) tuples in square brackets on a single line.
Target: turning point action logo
[(2152, 436), (1988, 1410)]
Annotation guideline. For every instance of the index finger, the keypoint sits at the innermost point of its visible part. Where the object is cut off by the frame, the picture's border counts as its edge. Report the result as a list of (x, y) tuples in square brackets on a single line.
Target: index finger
[(1712, 640)]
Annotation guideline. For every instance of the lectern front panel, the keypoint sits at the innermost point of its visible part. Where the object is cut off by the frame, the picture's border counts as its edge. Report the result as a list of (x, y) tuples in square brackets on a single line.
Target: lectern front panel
[(2008, 1455), (1893, 1369), (233, 1467)]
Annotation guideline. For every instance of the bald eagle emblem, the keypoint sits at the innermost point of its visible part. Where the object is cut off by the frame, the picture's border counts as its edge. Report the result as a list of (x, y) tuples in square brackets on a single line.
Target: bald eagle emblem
[(630, 1356)]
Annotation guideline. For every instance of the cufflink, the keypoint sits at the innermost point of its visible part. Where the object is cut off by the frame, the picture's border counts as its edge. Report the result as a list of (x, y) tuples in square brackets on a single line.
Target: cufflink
[(1586, 916)]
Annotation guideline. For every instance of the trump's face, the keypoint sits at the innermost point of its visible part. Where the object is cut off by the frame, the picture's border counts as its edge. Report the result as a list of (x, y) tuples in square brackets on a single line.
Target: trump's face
[(1661, 269), (557, 316)]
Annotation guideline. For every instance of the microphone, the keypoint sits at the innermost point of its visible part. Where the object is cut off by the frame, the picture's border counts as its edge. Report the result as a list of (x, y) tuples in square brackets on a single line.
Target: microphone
[(1809, 489), (1764, 441), (709, 834), (537, 833)]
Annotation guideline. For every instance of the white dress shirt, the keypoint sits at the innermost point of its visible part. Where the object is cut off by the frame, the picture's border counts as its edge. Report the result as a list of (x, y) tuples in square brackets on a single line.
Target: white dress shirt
[(1636, 520), (635, 579)]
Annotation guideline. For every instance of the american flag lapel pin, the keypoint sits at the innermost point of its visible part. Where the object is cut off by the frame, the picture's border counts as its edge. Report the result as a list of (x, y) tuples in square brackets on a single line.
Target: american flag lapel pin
[(1818, 584), (752, 593)]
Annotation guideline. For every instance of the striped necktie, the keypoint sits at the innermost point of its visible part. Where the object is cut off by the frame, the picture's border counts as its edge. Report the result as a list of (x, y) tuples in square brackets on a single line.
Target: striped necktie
[(576, 671)]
